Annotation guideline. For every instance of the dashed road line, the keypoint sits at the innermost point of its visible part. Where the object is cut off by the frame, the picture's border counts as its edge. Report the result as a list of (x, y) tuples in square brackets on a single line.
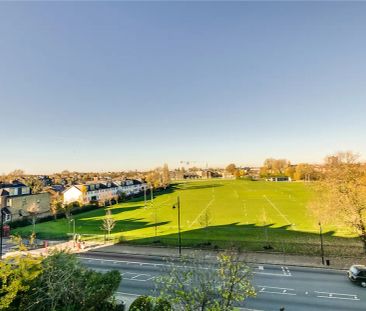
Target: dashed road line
[(276, 290), (336, 296)]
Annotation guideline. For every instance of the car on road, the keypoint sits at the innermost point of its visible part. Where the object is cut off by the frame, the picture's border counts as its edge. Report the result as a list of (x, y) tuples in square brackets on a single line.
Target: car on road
[(357, 274)]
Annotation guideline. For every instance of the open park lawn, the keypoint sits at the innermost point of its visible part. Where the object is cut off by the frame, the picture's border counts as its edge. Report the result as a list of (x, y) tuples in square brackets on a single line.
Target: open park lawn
[(251, 214)]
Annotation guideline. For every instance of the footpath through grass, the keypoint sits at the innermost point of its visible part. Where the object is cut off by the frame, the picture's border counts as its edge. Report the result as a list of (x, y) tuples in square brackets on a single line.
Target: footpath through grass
[(250, 214)]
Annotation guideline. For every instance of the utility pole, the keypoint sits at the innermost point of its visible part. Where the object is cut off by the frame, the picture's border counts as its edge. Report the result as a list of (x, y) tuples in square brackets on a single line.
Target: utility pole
[(144, 196), (321, 242), (179, 234)]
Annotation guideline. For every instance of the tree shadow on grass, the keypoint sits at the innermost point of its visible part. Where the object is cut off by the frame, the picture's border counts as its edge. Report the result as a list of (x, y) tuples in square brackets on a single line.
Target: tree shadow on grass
[(123, 225), (184, 186), (251, 237), (88, 227)]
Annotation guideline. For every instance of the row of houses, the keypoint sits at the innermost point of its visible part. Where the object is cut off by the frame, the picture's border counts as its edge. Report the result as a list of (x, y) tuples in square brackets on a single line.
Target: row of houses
[(17, 200), (102, 191)]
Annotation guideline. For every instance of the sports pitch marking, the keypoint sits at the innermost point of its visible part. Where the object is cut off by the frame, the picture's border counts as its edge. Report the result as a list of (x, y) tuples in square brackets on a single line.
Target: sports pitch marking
[(204, 210), (278, 211)]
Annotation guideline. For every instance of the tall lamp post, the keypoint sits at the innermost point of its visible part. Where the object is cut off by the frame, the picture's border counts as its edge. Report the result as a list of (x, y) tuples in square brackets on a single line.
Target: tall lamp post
[(155, 211), (179, 235), (321, 242)]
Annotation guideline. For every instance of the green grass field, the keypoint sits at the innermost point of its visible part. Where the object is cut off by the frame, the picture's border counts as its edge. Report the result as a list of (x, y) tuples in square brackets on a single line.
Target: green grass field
[(248, 213)]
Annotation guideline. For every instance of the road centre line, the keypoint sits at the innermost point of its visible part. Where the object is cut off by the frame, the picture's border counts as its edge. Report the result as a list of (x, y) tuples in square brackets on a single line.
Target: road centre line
[(272, 290), (336, 296), (124, 261), (275, 287)]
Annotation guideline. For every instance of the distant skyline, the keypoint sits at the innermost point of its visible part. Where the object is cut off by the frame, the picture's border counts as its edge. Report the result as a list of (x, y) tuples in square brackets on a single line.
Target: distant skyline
[(112, 86)]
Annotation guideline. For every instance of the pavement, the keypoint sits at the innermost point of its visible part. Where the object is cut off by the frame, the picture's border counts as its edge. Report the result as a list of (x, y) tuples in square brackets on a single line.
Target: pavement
[(254, 257)]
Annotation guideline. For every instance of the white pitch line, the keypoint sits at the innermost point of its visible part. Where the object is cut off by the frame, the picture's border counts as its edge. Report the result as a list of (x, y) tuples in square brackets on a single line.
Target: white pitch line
[(199, 215), (245, 212), (278, 211)]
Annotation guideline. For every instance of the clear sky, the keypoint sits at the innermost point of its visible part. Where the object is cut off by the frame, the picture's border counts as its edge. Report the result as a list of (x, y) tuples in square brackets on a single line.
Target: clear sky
[(122, 85)]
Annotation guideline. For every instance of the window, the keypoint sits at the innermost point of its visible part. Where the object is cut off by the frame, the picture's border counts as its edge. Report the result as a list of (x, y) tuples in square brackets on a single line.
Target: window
[(7, 217)]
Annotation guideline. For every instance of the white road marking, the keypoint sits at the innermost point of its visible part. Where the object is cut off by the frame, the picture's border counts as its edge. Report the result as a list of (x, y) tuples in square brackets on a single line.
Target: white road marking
[(278, 211), (127, 294), (276, 290), (124, 261), (260, 267), (168, 265), (336, 296)]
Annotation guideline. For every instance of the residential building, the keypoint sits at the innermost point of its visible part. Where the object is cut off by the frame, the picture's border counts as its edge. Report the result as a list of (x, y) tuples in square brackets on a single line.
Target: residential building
[(18, 201), (131, 186), (102, 191), (97, 192)]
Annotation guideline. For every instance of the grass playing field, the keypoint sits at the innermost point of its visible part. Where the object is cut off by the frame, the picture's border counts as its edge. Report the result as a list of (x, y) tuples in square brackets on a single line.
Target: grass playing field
[(252, 213)]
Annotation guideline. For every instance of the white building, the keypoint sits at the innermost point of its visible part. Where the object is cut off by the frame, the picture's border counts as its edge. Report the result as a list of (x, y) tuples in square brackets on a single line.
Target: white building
[(102, 191), (131, 186)]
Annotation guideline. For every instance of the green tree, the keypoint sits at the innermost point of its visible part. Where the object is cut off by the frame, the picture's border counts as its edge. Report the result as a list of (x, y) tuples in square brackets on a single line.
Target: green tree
[(16, 276), (65, 284), (142, 303), (198, 284)]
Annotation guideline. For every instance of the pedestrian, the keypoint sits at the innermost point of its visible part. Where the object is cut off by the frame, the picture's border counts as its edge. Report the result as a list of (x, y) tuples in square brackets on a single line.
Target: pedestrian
[(282, 309)]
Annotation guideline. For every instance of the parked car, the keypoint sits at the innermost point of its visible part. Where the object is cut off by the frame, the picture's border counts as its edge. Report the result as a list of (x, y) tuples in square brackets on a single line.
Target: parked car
[(357, 274)]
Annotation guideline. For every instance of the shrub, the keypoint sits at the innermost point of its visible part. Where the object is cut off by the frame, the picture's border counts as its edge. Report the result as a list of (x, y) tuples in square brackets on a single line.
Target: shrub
[(142, 303), (162, 304)]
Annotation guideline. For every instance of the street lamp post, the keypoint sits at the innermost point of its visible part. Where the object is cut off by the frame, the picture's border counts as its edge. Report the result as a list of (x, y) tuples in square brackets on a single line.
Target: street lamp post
[(144, 196), (179, 235), (321, 242), (155, 211)]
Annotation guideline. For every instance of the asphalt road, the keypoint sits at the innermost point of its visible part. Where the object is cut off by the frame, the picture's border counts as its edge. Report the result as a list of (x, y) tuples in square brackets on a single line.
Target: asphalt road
[(295, 288)]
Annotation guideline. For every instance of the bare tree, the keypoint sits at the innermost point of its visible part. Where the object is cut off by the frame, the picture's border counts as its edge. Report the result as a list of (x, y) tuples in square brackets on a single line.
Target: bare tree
[(33, 211), (108, 222)]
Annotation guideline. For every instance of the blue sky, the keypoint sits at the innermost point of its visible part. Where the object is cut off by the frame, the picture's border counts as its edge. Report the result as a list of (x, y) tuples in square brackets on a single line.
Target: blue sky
[(121, 85)]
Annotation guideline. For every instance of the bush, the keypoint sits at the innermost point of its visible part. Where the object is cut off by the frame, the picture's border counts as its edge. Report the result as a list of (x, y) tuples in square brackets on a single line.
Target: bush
[(142, 303), (110, 306), (162, 304)]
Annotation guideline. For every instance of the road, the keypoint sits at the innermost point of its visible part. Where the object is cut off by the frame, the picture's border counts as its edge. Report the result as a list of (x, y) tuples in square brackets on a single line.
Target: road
[(295, 288)]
